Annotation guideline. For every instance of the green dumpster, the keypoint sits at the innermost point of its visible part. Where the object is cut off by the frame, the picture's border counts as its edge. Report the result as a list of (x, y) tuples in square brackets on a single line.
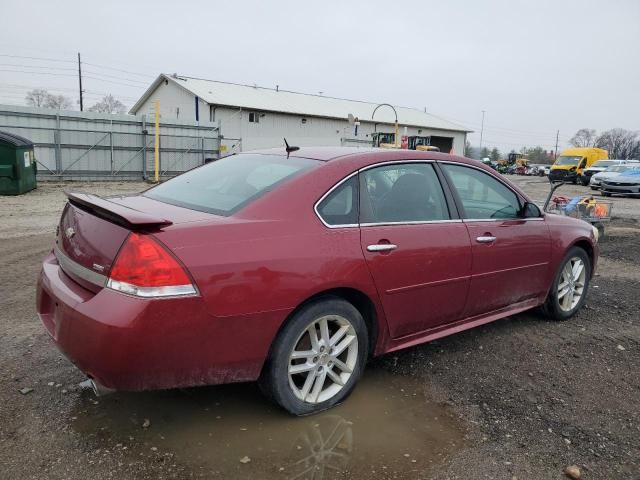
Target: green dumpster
[(17, 164)]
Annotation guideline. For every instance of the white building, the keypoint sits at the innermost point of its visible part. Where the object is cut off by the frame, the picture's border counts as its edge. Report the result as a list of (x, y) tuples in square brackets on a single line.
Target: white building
[(252, 117)]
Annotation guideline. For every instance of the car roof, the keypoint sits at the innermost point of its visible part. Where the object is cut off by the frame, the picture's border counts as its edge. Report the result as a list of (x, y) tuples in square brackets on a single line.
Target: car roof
[(327, 154)]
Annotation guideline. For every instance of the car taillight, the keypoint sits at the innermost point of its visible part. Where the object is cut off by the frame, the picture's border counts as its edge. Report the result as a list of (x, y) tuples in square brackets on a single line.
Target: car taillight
[(145, 268)]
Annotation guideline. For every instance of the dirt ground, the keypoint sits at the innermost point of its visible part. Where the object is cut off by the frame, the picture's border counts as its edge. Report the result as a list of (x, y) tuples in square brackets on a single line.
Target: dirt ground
[(520, 398)]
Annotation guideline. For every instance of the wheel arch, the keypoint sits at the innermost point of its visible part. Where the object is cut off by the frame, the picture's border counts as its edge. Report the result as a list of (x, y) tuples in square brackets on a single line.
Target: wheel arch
[(361, 301), (588, 248)]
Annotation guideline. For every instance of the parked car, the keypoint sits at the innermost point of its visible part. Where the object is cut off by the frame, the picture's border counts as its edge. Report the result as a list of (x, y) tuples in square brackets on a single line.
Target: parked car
[(546, 169), (600, 166), (293, 268), (627, 183), (611, 172), (535, 170)]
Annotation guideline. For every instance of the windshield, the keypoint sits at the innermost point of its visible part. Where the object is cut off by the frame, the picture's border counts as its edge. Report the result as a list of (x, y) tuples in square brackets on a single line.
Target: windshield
[(617, 168), (564, 160), (224, 186), (604, 163)]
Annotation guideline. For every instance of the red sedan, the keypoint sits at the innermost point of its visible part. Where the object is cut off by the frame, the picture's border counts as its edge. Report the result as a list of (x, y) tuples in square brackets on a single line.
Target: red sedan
[(295, 268)]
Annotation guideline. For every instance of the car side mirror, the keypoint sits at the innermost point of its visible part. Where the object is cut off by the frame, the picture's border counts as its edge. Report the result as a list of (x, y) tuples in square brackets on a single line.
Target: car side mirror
[(530, 210)]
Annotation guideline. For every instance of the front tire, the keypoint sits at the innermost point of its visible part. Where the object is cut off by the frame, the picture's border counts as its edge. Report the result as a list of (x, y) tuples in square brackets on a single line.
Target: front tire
[(318, 358), (570, 286)]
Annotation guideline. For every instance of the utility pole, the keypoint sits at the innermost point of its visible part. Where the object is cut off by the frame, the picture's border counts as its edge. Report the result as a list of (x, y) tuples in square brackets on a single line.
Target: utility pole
[(482, 129), (555, 153), (80, 80)]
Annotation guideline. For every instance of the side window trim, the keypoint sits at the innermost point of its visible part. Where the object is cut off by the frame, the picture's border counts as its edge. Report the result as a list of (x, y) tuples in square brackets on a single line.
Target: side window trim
[(453, 201), (458, 200)]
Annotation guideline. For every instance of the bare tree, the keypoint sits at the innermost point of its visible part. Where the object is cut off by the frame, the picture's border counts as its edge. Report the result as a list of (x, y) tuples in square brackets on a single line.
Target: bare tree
[(109, 104), (469, 151), (621, 143), (36, 97), (585, 137), (57, 102)]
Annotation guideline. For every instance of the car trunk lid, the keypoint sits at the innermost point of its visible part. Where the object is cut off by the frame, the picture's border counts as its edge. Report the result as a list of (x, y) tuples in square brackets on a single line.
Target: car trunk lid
[(92, 230)]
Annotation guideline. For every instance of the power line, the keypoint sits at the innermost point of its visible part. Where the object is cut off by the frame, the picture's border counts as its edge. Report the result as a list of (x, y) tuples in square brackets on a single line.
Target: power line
[(36, 58), (111, 81), (34, 66), (116, 77), (120, 70), (39, 73), (26, 88)]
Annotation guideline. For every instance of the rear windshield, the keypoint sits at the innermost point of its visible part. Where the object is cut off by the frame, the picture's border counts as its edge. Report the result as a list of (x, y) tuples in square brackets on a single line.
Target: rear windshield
[(225, 186)]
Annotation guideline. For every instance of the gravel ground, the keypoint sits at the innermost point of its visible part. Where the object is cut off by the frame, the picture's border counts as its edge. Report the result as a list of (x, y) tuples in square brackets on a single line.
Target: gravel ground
[(523, 397)]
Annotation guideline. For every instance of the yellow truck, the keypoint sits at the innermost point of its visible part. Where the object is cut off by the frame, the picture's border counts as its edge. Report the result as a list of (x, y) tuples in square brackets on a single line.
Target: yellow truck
[(569, 166)]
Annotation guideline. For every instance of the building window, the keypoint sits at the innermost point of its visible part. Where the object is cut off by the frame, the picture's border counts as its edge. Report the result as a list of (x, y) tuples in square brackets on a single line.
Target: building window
[(212, 113), (254, 117)]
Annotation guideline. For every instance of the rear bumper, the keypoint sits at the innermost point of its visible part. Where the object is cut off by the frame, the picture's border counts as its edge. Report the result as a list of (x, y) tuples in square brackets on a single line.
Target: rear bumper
[(128, 343)]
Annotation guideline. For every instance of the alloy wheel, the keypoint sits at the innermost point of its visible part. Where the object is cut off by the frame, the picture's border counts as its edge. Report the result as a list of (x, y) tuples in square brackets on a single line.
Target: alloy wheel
[(323, 359), (571, 284)]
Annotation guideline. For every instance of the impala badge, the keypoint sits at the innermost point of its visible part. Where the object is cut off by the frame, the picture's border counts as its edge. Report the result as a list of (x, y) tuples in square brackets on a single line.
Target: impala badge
[(70, 232), (97, 267)]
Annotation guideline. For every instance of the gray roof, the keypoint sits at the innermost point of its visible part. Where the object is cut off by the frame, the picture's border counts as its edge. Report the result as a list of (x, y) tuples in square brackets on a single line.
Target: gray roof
[(270, 99)]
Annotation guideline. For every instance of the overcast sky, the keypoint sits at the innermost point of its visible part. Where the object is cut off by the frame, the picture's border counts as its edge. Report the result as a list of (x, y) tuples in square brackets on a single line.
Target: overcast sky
[(535, 66)]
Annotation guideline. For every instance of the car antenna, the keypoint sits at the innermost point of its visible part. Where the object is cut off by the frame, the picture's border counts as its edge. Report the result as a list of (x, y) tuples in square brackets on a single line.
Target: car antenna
[(291, 148)]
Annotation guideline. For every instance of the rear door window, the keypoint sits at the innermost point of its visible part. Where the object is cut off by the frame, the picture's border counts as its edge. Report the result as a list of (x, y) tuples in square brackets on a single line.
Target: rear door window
[(401, 193), (227, 185)]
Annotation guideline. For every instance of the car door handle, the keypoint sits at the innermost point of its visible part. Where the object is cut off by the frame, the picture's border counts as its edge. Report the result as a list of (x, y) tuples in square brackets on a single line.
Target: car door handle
[(381, 247), (485, 239)]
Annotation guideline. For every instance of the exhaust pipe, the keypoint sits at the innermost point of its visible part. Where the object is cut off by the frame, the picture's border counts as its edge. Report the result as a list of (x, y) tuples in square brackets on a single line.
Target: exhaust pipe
[(97, 389)]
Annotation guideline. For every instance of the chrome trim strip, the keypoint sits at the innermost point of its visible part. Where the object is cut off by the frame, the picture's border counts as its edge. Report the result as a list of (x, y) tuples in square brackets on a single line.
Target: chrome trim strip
[(514, 219), (69, 265), (425, 222), (391, 162)]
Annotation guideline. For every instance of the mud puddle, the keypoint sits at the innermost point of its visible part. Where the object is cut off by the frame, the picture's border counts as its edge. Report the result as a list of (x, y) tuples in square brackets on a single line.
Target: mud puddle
[(387, 426)]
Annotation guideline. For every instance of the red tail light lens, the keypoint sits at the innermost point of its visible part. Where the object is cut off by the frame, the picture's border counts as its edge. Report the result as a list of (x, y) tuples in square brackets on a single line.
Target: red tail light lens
[(145, 268)]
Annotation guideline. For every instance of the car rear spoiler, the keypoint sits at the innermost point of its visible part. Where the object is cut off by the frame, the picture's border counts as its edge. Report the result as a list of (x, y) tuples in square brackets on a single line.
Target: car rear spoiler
[(114, 212)]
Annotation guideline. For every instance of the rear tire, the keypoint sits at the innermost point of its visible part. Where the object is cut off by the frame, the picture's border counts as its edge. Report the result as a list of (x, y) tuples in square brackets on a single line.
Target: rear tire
[(570, 286), (305, 375)]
